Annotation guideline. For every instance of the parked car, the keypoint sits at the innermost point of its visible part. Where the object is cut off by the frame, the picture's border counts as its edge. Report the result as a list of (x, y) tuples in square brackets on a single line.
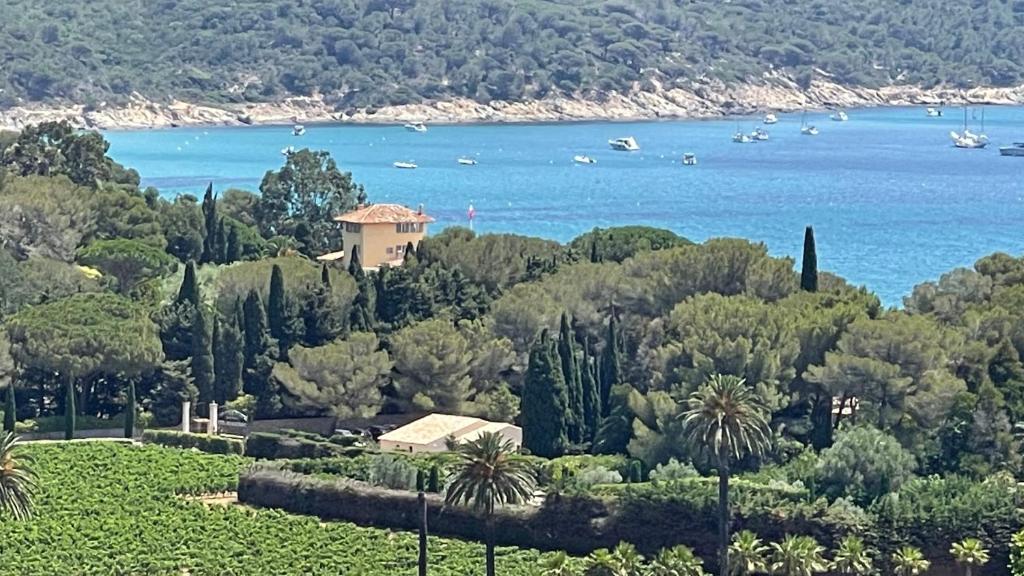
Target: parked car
[(233, 416)]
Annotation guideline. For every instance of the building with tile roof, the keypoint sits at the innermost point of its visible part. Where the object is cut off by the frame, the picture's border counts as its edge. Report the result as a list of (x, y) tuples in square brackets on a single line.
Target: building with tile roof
[(432, 433), (381, 232)]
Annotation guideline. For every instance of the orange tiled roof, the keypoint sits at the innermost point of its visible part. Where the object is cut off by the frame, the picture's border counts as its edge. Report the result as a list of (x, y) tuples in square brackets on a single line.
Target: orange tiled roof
[(384, 214)]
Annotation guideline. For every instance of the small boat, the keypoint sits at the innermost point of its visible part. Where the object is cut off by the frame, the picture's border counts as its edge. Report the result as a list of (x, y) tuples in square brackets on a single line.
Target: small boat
[(933, 112), (581, 159), (967, 139), (288, 150), (741, 138), (627, 144), (805, 128), (770, 119), (405, 165), (759, 135), (689, 159), (416, 127), (1017, 149), (298, 130), (467, 161), (839, 116)]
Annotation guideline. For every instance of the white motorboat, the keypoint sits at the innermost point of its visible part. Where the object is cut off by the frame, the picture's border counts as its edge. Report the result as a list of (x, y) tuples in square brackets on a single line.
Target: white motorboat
[(741, 138), (287, 150), (627, 144), (689, 159), (298, 130), (759, 135), (770, 119), (405, 165), (467, 161), (581, 159), (1017, 149), (933, 112), (416, 127), (839, 116)]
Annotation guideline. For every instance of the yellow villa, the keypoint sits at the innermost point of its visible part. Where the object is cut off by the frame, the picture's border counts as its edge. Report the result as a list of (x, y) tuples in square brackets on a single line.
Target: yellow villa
[(381, 232)]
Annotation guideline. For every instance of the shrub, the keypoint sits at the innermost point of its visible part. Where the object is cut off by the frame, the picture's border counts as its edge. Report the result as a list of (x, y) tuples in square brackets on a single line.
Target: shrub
[(594, 476), (673, 470), (391, 472), (268, 446), (864, 463), (201, 442), (1017, 554), (933, 513)]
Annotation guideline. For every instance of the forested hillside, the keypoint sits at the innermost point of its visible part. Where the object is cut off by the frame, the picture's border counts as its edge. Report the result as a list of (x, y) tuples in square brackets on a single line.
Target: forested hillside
[(364, 53)]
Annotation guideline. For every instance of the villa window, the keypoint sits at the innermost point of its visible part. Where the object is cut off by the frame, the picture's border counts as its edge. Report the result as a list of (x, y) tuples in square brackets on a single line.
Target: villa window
[(400, 249), (408, 227), (390, 250), (353, 227)]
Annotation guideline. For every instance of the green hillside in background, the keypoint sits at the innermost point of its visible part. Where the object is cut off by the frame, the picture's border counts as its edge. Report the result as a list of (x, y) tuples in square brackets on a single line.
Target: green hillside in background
[(365, 53)]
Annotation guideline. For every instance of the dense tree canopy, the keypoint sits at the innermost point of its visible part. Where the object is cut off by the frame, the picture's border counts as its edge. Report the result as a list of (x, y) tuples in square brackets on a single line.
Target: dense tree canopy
[(86, 334), (373, 52)]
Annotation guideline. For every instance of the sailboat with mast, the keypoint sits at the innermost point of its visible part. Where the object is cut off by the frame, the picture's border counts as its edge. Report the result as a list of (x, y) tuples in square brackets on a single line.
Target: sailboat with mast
[(968, 139), (805, 128)]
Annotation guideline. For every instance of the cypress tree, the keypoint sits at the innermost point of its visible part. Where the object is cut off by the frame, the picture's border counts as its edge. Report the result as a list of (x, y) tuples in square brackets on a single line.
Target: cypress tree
[(233, 252), (220, 247), (573, 385), (227, 358), (69, 407), (610, 375), (278, 317), (409, 257), (434, 480), (10, 409), (210, 248), (129, 411), (593, 250), (591, 396), (202, 358), (325, 276), (189, 290), (809, 270), (545, 430), (355, 266), (256, 357), (322, 321)]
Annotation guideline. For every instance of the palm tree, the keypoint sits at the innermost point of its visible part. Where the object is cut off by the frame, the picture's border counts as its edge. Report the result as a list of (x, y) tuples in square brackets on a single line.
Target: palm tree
[(909, 561), (624, 560), (969, 552), (727, 421), (747, 554), (797, 556), (676, 561), (557, 565), (17, 480), (852, 558), (489, 474)]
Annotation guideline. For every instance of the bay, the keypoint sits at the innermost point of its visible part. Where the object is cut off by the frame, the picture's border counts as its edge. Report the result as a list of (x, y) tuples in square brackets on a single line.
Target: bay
[(892, 202)]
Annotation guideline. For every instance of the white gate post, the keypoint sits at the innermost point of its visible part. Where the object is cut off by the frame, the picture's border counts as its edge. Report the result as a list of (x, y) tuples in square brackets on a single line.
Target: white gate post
[(186, 416), (212, 428)]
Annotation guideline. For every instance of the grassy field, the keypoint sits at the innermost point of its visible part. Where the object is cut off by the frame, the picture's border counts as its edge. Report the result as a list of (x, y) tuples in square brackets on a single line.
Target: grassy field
[(118, 510)]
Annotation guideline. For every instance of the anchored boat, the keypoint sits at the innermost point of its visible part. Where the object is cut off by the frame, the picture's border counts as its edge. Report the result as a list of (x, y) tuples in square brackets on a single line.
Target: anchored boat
[(627, 144)]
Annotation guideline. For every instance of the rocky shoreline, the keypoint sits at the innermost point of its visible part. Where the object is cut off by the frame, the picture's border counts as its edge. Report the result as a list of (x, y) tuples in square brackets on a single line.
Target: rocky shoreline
[(779, 95)]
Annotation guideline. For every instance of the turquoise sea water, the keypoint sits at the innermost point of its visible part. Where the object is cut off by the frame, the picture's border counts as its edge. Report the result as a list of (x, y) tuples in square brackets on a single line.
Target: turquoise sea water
[(891, 201)]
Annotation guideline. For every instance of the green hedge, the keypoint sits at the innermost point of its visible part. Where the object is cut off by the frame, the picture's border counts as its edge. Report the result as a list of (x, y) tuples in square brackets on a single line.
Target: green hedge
[(201, 442), (268, 446), (650, 517)]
